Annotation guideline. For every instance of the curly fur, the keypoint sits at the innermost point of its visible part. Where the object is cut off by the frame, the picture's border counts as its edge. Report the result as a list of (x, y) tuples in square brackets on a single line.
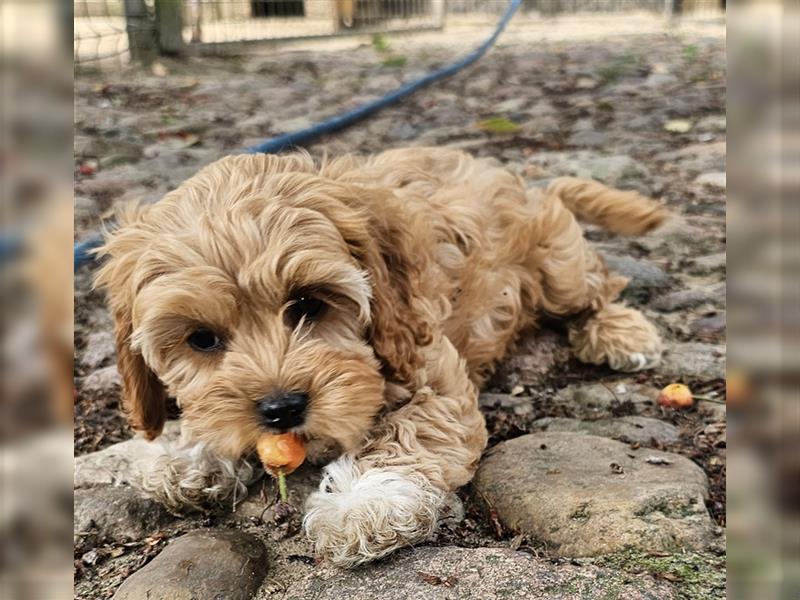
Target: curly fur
[(361, 515), (193, 477), (429, 261)]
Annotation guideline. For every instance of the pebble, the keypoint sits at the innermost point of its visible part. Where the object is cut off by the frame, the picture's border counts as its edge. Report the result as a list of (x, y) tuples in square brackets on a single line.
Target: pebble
[(99, 349), (645, 277), (638, 123), (519, 405), (583, 125), (693, 360), (258, 123), (709, 263), (715, 180), (617, 170), (540, 125), (586, 83), (103, 188), (130, 153), (712, 123), (690, 298), (542, 108), (449, 573), (584, 495), (206, 564), (115, 465), (102, 382), (712, 412), (290, 125), (512, 105), (697, 158), (709, 327), (660, 80), (452, 512), (595, 400), (85, 208), (117, 514), (403, 131), (588, 139), (677, 238)]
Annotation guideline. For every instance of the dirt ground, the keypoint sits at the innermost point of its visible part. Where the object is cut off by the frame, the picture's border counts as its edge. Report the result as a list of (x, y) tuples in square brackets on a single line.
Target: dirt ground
[(640, 108)]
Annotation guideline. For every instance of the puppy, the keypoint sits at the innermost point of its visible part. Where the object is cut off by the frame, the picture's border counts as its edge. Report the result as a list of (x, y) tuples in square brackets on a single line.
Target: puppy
[(359, 302)]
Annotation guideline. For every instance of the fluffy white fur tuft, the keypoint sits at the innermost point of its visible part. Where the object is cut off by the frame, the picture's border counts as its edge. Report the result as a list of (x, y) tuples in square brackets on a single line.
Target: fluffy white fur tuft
[(192, 477), (358, 517)]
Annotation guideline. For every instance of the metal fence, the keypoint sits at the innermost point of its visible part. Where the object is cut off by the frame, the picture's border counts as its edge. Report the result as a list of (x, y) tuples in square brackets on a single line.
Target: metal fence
[(218, 22), (554, 7), (114, 31), (109, 29)]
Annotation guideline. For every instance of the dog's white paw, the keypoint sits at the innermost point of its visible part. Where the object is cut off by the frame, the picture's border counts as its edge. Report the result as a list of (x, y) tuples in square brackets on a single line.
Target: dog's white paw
[(635, 361), (357, 517), (192, 477)]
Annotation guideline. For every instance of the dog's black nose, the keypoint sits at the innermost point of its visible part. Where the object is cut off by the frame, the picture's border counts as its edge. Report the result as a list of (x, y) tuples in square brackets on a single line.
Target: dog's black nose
[(283, 410)]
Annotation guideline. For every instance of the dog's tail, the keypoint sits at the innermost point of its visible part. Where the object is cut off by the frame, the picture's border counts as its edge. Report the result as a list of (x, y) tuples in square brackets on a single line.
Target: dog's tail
[(626, 213)]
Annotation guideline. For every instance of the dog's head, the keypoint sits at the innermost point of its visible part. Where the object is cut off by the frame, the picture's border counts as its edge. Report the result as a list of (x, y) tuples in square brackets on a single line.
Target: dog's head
[(263, 295)]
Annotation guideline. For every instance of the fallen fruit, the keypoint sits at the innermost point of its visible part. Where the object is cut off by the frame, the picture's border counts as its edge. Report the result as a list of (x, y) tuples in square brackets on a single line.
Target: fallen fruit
[(737, 388), (282, 452), (676, 395), (86, 169)]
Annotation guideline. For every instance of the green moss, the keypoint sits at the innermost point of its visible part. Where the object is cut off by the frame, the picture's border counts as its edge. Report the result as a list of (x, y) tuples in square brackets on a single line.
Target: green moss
[(380, 43), (567, 587), (395, 61), (669, 507), (605, 106), (511, 589), (690, 52), (695, 575), (620, 66), (610, 586), (612, 591)]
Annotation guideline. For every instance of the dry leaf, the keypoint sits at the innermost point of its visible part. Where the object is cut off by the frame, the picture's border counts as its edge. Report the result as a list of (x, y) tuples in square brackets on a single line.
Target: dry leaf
[(498, 125), (678, 126), (657, 460)]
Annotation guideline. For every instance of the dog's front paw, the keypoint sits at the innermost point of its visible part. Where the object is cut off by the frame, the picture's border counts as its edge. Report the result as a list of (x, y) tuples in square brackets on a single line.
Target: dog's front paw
[(635, 361), (357, 517), (192, 478), (621, 337)]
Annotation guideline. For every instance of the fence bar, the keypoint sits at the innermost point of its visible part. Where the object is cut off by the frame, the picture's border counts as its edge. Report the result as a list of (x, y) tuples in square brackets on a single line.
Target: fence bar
[(169, 26), (141, 36)]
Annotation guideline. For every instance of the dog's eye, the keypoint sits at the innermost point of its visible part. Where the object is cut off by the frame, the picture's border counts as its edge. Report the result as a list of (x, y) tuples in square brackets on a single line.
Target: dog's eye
[(307, 307), (204, 340)]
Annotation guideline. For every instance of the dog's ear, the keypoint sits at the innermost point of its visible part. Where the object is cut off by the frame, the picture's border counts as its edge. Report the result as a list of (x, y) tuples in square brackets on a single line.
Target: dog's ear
[(143, 395), (367, 218), (399, 326)]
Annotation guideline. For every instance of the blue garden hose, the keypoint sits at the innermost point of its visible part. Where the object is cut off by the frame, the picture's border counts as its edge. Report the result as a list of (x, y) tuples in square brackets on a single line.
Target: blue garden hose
[(83, 251), (297, 138)]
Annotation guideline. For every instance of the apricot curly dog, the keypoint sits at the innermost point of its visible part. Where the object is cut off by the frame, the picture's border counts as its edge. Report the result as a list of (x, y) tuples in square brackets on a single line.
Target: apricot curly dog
[(359, 302)]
